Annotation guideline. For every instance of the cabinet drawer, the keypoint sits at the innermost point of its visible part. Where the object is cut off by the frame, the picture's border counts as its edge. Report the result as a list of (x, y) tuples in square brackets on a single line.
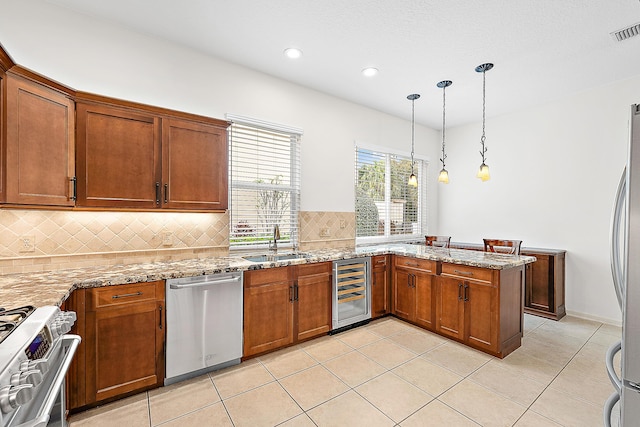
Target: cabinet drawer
[(467, 272), (267, 275), (315, 268), (109, 296), (379, 261), (426, 265)]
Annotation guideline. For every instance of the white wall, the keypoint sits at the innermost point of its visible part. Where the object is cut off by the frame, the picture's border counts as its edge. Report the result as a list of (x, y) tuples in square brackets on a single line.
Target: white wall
[(93, 56), (554, 174), (554, 168)]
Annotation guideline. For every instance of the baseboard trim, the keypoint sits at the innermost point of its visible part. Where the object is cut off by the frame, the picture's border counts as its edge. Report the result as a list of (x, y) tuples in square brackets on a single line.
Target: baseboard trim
[(585, 316)]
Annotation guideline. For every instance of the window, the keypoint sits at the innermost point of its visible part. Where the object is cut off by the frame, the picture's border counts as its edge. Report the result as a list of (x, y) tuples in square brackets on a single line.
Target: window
[(265, 183), (386, 207)]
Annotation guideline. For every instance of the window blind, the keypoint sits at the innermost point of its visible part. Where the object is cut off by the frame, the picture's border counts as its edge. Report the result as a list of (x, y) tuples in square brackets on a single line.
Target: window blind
[(386, 206), (265, 185)]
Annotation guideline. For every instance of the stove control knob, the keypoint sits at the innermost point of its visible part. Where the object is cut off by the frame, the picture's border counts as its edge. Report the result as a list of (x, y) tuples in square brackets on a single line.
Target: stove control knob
[(38, 365), (13, 396), (33, 377)]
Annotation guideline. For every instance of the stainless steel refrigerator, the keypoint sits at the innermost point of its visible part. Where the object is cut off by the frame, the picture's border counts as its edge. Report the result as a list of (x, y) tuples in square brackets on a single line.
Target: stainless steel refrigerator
[(625, 267)]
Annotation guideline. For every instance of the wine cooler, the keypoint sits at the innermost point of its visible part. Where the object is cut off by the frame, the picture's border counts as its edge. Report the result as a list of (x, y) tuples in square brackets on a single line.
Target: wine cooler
[(351, 292)]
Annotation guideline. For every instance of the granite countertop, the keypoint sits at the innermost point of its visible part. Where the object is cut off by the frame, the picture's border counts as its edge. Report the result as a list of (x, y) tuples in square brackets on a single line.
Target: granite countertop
[(54, 287)]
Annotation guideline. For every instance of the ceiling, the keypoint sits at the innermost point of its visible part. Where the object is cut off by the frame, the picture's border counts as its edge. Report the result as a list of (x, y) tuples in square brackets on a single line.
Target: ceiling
[(542, 49)]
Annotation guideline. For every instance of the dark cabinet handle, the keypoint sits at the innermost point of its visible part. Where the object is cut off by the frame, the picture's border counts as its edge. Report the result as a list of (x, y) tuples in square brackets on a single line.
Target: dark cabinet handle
[(158, 193), (295, 292), (74, 191), (133, 294), (166, 193), (466, 292), (464, 273), (160, 308), (459, 291)]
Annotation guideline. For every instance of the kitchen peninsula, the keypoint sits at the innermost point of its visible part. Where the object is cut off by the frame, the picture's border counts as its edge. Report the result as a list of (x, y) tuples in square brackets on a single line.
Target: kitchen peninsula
[(473, 297)]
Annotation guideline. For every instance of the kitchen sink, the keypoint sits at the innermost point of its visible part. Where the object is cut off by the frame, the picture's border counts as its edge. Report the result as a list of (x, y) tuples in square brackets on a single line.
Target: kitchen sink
[(274, 257)]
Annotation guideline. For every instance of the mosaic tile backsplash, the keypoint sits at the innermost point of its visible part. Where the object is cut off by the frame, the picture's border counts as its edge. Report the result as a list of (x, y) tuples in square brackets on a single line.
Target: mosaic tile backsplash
[(43, 240), (35, 240), (327, 230)]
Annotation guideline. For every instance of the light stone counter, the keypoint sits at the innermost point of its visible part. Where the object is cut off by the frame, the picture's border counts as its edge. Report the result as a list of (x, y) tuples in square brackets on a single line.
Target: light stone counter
[(52, 288)]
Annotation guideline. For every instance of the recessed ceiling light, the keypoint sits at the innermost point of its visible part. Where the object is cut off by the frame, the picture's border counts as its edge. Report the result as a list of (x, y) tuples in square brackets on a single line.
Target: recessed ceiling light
[(370, 72), (293, 53)]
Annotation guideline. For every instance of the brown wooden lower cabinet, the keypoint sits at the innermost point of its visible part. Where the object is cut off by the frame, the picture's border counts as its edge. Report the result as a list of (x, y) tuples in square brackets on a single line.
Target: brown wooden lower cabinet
[(544, 280), (123, 342), (413, 292), (284, 305), (480, 307), (380, 285)]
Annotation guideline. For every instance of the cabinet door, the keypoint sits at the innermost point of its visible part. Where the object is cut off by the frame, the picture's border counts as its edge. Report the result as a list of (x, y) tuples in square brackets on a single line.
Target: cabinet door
[(313, 292), (195, 163), (118, 158), (380, 291), (125, 340), (425, 301), (481, 315), (76, 376), (539, 290), (268, 316), (40, 144), (403, 294), (450, 307)]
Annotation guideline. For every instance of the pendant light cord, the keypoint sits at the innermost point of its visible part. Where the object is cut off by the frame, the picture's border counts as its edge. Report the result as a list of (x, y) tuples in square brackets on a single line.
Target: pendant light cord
[(483, 138), (413, 126), (444, 156)]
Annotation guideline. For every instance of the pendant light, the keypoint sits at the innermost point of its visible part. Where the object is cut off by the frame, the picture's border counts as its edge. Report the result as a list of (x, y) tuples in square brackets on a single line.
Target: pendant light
[(483, 171), (413, 180), (444, 175)]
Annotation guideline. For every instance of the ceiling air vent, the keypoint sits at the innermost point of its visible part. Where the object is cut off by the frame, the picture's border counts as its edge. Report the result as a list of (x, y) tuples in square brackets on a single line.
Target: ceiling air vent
[(626, 33)]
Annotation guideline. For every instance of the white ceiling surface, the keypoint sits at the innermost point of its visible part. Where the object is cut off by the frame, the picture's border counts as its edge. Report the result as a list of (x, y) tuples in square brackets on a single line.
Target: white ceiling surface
[(542, 49)]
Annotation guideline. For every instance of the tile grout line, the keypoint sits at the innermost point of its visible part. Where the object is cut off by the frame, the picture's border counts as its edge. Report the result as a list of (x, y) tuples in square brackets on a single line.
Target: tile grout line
[(556, 376)]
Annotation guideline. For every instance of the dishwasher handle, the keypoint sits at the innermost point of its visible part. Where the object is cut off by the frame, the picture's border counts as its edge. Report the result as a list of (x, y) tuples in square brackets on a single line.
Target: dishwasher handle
[(229, 279)]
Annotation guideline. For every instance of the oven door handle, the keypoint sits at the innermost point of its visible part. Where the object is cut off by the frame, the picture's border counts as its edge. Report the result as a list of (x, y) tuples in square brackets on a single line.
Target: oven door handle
[(71, 342)]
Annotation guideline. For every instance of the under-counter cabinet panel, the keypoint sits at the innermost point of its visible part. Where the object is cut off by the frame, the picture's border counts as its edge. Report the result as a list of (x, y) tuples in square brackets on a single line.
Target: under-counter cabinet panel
[(122, 349), (313, 299), (285, 305), (40, 147), (481, 307), (125, 339), (413, 292), (268, 310), (380, 285)]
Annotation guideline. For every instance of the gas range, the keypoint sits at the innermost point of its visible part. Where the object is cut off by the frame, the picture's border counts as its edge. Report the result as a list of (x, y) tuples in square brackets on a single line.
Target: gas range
[(35, 354), (10, 319)]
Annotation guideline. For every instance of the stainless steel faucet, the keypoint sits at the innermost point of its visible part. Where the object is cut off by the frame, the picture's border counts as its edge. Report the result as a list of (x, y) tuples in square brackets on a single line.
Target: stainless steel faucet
[(276, 236)]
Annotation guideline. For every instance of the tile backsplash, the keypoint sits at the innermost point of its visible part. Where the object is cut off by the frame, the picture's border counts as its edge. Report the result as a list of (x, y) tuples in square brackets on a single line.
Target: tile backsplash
[(327, 230), (36, 240), (42, 240)]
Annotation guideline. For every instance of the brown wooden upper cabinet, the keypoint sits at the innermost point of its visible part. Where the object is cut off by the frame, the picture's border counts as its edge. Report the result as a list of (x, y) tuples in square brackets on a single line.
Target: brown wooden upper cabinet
[(132, 156), (38, 155)]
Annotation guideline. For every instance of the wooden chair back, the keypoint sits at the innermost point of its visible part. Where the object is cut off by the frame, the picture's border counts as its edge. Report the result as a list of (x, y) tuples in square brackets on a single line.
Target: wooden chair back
[(502, 246), (439, 241)]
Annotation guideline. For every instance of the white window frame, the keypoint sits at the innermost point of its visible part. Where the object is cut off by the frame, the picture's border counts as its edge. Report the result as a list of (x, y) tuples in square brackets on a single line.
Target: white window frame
[(423, 193), (294, 188)]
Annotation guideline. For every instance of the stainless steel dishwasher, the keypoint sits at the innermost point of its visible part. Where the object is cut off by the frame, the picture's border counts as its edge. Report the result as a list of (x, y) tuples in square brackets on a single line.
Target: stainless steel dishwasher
[(204, 324)]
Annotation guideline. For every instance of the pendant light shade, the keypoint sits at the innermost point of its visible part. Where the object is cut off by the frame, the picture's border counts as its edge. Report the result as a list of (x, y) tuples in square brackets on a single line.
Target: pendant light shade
[(483, 170), (413, 179), (443, 177)]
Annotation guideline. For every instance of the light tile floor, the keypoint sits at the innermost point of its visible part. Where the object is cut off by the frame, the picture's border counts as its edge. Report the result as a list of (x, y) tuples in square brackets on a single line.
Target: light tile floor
[(389, 373)]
